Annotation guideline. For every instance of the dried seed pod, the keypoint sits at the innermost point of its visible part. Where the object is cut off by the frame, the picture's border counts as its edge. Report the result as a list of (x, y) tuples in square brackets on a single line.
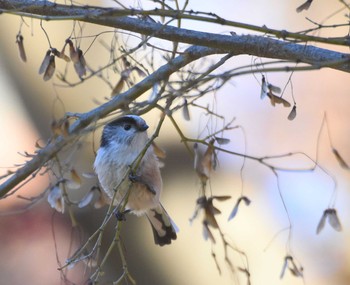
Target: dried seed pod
[(87, 199), (222, 141), (75, 179), (72, 52), (329, 214), (45, 63), (207, 234), (77, 57), (186, 111), (235, 208), (322, 223), (80, 65), (204, 164), (273, 88), (340, 160), (126, 63), (278, 100), (55, 199), (304, 6), (334, 220), (264, 90), (50, 70), (22, 52), (293, 113)]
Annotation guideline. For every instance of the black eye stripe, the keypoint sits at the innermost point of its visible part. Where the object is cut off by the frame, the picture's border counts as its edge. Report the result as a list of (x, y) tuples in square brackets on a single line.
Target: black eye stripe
[(122, 121), (127, 127)]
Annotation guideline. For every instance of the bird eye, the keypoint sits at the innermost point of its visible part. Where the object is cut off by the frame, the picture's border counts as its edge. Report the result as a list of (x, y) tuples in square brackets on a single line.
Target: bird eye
[(127, 127)]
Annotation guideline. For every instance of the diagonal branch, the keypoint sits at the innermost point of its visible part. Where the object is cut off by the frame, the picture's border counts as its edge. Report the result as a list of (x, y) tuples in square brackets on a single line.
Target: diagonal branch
[(84, 120), (238, 44)]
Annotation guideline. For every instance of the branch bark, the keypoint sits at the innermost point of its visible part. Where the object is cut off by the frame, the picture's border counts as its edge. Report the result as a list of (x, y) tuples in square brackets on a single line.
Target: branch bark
[(238, 44)]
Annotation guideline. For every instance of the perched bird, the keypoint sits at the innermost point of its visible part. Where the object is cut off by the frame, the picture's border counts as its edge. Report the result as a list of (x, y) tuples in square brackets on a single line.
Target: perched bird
[(122, 142)]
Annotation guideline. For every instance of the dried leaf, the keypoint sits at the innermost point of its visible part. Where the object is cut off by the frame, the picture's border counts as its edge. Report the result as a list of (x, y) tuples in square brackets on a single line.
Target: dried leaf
[(334, 220), (50, 70), (22, 52), (222, 141), (304, 6), (186, 111), (293, 113), (118, 88), (56, 200), (340, 160), (45, 62)]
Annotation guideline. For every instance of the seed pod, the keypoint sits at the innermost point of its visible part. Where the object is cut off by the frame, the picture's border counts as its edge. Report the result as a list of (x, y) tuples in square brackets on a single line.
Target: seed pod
[(186, 111), (22, 52), (45, 62), (293, 113), (304, 6), (50, 70), (340, 160)]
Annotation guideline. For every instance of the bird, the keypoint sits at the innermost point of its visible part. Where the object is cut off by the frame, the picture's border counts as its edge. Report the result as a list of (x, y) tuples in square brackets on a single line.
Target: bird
[(122, 142)]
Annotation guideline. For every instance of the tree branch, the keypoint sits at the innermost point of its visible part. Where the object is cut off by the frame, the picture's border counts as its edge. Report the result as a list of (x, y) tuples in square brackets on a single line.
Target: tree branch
[(84, 120), (238, 44)]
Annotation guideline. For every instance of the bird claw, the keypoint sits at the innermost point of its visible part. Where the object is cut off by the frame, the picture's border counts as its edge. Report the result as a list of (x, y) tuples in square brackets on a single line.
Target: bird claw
[(121, 216)]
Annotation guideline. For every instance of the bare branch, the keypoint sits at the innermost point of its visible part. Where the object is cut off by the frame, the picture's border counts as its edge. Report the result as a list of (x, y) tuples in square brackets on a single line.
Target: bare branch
[(237, 44)]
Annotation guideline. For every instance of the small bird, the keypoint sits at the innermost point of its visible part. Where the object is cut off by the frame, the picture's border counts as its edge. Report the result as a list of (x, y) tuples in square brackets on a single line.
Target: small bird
[(122, 142)]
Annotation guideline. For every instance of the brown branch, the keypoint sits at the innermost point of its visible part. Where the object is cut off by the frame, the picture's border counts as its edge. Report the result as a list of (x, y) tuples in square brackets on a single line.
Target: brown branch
[(238, 44)]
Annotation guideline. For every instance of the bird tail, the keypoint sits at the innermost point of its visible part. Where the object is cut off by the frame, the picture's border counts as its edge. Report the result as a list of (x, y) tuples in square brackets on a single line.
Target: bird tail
[(164, 229)]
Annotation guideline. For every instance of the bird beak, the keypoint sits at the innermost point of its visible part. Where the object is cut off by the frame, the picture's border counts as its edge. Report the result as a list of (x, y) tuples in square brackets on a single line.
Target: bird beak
[(143, 127)]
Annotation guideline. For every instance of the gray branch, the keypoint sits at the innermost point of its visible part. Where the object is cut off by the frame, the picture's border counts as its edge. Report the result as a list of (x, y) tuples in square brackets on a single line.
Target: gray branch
[(237, 44)]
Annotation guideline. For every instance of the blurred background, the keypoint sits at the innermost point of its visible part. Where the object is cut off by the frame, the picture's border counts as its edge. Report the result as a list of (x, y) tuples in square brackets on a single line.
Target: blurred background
[(34, 243)]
